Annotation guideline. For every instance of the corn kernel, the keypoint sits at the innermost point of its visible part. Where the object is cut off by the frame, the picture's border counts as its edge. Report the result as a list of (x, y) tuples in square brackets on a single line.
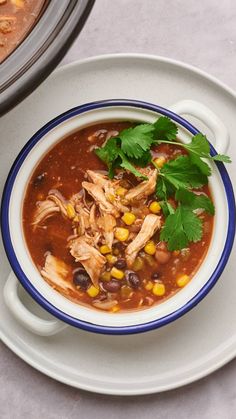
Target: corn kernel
[(128, 218), (105, 249), (149, 286), (121, 234), (155, 207), (138, 264), (160, 161), (150, 248), (117, 273), (159, 289), (115, 308), (110, 197), (70, 211), (111, 259), (183, 280), (93, 291), (106, 276), (121, 191)]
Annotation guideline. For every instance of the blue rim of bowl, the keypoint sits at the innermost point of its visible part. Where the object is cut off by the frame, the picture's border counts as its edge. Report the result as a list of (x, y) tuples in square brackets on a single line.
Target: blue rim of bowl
[(5, 227)]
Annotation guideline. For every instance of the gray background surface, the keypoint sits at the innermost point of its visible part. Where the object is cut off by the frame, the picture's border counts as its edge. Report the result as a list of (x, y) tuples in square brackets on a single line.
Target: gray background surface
[(199, 33)]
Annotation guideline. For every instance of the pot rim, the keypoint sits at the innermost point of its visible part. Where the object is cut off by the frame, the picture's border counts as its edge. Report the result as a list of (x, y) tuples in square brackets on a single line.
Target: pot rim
[(5, 225)]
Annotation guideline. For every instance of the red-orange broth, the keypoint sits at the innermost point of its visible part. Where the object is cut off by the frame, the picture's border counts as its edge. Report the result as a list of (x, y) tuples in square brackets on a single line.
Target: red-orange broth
[(64, 168)]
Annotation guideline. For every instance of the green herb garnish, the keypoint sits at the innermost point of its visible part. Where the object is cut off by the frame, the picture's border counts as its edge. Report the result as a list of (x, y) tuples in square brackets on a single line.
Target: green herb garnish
[(132, 149)]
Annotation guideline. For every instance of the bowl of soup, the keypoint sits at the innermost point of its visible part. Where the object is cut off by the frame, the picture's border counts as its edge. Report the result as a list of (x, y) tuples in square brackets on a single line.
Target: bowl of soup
[(118, 216)]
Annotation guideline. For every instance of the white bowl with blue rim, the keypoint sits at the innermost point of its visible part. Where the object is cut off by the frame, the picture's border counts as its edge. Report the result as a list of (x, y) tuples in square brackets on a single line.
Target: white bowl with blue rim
[(66, 312)]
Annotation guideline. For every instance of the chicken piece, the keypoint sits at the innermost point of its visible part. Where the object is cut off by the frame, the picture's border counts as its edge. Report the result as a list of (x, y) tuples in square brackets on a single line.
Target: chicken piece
[(97, 178), (116, 200), (92, 219), (98, 195), (144, 189), (150, 225), (56, 272), (91, 259), (44, 210), (55, 196), (107, 223), (105, 305)]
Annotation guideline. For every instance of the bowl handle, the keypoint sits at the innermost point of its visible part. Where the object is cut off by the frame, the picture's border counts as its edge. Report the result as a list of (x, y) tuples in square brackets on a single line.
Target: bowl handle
[(205, 115), (29, 320)]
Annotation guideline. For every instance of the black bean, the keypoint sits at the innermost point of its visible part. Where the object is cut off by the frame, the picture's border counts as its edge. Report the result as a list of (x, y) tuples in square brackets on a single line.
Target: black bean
[(120, 264), (112, 286), (39, 179), (132, 279), (81, 279), (120, 246), (156, 275)]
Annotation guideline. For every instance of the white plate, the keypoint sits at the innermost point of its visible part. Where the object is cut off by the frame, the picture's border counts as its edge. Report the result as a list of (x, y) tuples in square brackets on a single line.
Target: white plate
[(180, 353)]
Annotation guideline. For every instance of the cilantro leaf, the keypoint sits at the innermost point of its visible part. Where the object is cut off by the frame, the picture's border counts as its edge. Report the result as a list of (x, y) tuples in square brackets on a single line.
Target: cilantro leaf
[(109, 154), (165, 129), (202, 165), (221, 157), (135, 141), (192, 201), (164, 189), (182, 173), (142, 161), (199, 145), (126, 164), (166, 208), (181, 228)]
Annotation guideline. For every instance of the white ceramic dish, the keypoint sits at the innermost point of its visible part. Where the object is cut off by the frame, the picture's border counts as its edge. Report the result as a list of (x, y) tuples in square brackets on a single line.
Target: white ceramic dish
[(86, 317), (69, 356)]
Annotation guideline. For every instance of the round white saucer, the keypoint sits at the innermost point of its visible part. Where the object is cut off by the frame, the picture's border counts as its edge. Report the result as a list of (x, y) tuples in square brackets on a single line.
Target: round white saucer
[(190, 348)]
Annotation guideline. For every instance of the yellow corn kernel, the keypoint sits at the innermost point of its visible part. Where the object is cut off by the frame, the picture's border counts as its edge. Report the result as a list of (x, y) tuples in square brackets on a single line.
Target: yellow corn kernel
[(138, 264), (182, 280), (104, 249), (70, 211), (155, 207), (106, 276), (117, 273), (121, 191), (121, 234), (110, 197), (160, 161), (111, 259), (128, 218), (159, 289), (149, 286), (150, 248), (93, 291), (115, 308)]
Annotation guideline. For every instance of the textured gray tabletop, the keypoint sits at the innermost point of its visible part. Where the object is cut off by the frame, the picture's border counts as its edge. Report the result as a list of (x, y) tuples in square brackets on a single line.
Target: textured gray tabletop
[(199, 33)]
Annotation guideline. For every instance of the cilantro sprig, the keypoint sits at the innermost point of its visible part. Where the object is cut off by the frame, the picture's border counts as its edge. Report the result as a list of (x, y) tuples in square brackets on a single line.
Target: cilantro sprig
[(131, 149)]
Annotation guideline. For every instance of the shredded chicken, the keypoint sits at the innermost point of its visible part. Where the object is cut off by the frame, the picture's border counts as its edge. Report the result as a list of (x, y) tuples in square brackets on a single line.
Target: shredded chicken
[(107, 224), (150, 225), (105, 305), (98, 195), (144, 189), (55, 272), (91, 259), (44, 210), (97, 178)]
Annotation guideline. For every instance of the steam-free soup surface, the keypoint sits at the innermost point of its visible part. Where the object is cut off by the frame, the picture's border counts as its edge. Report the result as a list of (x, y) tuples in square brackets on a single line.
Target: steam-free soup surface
[(63, 220)]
